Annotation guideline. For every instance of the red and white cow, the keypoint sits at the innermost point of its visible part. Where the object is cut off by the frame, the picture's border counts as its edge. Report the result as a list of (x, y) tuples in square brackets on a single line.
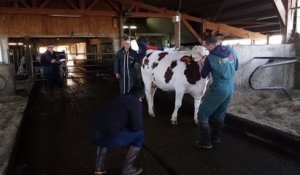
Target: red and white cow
[(174, 70)]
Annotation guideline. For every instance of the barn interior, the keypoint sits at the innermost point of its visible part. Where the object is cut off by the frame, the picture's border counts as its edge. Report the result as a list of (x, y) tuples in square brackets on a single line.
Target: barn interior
[(88, 33)]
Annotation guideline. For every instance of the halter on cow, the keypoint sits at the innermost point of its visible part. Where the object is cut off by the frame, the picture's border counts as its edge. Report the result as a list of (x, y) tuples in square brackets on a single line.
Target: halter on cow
[(174, 71)]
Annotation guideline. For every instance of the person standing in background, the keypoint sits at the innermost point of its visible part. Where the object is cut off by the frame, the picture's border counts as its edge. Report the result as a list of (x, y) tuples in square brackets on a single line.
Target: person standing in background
[(51, 70), (124, 67)]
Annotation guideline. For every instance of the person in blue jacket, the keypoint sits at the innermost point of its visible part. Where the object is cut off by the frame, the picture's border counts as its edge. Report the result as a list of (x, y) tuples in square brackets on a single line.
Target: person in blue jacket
[(221, 63), (124, 67), (118, 124)]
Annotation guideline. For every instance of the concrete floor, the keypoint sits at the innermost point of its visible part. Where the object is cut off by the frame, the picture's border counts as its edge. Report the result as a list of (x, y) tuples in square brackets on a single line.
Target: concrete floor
[(53, 140)]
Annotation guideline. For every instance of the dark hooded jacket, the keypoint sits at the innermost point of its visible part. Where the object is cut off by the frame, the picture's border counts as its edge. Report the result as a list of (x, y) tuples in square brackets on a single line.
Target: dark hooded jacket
[(48, 67), (222, 52), (122, 113), (124, 66)]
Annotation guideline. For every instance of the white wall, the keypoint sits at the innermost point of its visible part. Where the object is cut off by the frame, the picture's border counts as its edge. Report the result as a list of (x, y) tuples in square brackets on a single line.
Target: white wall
[(273, 76)]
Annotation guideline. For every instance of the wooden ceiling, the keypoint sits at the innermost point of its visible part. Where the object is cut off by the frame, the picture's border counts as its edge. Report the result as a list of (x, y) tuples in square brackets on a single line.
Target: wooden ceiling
[(253, 15), (254, 19)]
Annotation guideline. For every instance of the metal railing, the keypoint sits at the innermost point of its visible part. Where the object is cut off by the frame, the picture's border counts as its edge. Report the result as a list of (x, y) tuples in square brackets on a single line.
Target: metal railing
[(285, 60)]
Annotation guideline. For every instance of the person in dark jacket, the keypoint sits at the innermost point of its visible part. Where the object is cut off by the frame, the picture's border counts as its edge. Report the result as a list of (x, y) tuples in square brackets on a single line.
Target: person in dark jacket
[(51, 70), (124, 67), (221, 63), (118, 124)]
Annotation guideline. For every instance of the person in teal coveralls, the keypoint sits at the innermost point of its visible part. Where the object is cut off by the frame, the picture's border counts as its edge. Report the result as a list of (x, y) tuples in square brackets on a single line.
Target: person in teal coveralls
[(221, 63)]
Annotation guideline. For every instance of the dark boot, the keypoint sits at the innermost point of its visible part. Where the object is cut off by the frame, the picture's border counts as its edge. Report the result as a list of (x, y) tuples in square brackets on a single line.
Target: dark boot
[(101, 154), (205, 141), (216, 131), (128, 168)]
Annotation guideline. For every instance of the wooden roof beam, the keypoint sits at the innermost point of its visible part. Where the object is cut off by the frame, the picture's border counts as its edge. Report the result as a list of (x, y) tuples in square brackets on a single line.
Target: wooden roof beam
[(113, 5), (244, 11), (250, 22), (200, 7), (34, 3), (143, 5), (221, 7), (229, 30), (264, 29), (271, 32), (148, 15), (131, 8), (280, 10), (82, 4), (222, 28), (250, 4), (261, 25), (92, 4), (260, 15), (44, 4), (191, 29), (44, 11), (24, 3), (71, 4)]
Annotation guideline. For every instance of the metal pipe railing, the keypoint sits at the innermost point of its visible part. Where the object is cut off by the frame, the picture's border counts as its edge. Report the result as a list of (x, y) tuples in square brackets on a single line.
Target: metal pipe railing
[(290, 60)]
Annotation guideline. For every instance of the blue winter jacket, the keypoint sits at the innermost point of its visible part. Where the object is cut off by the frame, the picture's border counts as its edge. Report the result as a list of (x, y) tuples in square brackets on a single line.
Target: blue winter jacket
[(122, 113)]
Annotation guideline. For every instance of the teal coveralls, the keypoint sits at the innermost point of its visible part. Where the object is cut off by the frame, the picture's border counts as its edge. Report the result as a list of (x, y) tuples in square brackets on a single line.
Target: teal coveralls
[(223, 63)]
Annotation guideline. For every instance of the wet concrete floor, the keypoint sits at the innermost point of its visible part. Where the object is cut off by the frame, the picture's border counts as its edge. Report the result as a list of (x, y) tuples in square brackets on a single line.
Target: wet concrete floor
[(53, 141)]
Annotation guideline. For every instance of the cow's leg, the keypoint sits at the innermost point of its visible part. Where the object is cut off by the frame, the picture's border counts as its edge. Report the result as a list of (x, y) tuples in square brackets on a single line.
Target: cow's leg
[(178, 102), (148, 92), (153, 90), (197, 102)]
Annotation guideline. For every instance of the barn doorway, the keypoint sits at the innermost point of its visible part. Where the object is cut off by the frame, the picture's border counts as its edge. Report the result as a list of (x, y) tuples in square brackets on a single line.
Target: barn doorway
[(81, 57)]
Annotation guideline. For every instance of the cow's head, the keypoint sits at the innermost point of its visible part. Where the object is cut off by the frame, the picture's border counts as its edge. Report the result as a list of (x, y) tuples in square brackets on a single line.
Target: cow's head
[(198, 52)]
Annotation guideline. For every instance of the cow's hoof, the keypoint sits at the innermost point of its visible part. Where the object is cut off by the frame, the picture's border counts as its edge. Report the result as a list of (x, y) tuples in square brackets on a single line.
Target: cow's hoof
[(174, 122)]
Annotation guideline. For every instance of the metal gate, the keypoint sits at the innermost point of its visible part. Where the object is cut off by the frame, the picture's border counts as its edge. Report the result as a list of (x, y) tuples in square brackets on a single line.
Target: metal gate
[(94, 64)]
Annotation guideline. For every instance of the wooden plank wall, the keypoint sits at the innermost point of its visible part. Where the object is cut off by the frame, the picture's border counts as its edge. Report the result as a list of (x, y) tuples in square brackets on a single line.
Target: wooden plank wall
[(42, 25)]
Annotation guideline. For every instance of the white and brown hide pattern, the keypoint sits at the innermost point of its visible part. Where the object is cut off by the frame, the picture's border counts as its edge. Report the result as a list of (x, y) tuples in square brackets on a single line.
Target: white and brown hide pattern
[(177, 71)]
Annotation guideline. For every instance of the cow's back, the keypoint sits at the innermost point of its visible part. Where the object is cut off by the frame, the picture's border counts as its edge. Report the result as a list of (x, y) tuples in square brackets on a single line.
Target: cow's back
[(166, 69)]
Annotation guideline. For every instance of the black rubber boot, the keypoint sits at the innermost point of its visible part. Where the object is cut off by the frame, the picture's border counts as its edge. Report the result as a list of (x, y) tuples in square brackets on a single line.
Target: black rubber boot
[(216, 127), (205, 141), (101, 154), (128, 168)]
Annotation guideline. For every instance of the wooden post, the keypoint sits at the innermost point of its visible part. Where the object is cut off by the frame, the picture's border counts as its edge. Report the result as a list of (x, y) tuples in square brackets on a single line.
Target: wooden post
[(286, 12)]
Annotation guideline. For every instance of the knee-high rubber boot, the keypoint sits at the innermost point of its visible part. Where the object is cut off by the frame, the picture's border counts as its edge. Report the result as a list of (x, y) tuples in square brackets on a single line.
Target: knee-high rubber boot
[(205, 141), (101, 154), (216, 131), (128, 168)]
